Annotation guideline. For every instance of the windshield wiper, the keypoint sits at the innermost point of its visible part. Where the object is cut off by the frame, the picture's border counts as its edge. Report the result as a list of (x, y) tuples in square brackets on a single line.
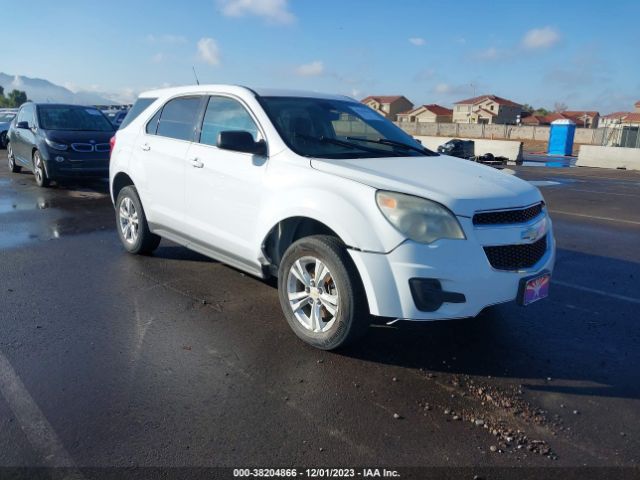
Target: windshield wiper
[(342, 143), (393, 143)]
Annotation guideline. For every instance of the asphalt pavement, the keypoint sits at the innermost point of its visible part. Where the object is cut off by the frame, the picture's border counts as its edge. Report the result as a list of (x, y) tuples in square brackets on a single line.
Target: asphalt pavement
[(175, 360)]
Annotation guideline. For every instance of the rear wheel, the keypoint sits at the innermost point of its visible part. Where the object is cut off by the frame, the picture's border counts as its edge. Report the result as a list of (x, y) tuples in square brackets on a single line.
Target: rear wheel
[(42, 180), (321, 293), (133, 229), (11, 159)]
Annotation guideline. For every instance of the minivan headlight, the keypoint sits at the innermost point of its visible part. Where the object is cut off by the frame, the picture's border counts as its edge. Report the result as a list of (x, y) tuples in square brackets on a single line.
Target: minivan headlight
[(421, 220), (56, 145)]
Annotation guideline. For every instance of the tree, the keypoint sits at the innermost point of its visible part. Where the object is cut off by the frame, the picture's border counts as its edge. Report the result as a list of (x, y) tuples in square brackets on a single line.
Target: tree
[(560, 107), (1, 91), (17, 98), (527, 108), (541, 111)]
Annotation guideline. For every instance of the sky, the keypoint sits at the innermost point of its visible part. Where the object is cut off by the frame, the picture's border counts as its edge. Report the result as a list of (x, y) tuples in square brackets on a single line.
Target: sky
[(581, 53)]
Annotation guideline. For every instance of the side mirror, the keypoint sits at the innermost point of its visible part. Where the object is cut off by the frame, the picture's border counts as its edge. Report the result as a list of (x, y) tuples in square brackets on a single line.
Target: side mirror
[(241, 141), (23, 125)]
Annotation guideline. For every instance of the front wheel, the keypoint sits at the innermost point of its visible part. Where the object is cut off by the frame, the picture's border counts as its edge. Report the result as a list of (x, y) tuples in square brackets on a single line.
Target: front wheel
[(321, 293), (42, 180), (133, 229), (11, 159)]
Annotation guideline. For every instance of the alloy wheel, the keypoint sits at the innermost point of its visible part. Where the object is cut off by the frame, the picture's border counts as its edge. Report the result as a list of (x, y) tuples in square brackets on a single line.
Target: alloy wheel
[(38, 170), (10, 158), (312, 294), (128, 220)]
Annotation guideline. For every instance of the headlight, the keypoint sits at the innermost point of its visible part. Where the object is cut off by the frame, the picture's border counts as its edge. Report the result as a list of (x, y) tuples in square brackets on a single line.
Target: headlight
[(421, 220), (56, 145)]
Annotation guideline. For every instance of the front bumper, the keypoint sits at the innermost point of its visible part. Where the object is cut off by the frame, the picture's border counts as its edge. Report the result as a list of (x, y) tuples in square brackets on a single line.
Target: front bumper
[(460, 266), (72, 167)]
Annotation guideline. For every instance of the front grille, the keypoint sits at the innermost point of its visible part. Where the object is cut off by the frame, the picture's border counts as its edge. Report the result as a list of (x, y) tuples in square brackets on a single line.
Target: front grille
[(102, 147), (82, 147), (521, 215), (516, 257)]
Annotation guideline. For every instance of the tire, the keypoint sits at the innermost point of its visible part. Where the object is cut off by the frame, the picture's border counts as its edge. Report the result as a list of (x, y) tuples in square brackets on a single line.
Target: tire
[(131, 223), (328, 314), (42, 180), (11, 159)]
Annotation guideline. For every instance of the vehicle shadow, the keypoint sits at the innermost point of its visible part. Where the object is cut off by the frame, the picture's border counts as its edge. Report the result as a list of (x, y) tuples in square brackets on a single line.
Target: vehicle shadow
[(591, 340)]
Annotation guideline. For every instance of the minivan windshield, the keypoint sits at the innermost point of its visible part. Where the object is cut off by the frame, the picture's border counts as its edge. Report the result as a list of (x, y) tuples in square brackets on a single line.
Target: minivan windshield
[(328, 128), (70, 118)]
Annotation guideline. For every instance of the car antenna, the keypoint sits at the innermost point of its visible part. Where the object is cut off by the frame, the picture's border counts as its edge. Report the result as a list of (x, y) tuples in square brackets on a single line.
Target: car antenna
[(195, 74)]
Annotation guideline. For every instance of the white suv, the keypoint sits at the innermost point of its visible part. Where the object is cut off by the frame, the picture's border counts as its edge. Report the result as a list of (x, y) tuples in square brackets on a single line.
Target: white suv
[(352, 215)]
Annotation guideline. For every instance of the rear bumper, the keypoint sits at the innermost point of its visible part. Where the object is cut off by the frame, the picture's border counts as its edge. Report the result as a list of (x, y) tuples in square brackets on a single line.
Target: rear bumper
[(467, 280)]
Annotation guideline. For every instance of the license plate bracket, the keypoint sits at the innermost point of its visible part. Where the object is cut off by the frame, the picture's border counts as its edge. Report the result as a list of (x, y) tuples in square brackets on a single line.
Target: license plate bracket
[(534, 288)]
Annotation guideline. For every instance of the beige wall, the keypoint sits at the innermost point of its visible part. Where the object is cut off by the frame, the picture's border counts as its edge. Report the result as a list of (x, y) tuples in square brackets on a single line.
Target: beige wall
[(593, 136), (460, 113)]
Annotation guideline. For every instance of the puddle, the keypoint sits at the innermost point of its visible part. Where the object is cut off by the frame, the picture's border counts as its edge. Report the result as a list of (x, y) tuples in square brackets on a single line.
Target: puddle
[(544, 183)]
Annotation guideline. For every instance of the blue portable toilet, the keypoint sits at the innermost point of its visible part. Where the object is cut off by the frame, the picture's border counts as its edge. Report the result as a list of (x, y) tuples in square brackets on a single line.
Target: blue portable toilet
[(561, 137)]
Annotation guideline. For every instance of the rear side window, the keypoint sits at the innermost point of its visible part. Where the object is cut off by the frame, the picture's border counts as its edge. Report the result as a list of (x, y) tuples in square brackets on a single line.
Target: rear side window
[(138, 107), (178, 118)]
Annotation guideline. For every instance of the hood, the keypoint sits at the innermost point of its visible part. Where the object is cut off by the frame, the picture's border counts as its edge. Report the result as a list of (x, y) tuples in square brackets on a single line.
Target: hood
[(461, 185), (65, 136)]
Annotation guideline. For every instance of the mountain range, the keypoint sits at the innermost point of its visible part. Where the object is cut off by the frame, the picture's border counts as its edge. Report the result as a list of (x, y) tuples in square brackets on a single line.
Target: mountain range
[(40, 90)]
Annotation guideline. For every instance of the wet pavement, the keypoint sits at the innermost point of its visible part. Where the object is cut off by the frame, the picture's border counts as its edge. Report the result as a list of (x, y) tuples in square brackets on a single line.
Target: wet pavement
[(107, 359)]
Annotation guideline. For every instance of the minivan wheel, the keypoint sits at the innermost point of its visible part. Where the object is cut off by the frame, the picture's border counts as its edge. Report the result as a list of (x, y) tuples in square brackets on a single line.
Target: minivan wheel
[(42, 180), (11, 159), (321, 293), (133, 229)]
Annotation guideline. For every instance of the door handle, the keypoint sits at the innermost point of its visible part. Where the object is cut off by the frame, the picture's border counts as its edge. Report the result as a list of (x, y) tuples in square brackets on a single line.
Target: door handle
[(195, 163), (145, 147)]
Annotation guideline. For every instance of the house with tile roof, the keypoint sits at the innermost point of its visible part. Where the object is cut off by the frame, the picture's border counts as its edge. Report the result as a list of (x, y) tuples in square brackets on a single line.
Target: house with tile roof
[(583, 119), (637, 105), (621, 118), (388, 105), (486, 109), (431, 113)]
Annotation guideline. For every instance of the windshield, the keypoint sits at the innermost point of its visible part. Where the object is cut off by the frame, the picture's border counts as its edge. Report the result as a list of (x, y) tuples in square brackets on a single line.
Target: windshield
[(73, 119), (322, 128), (6, 117)]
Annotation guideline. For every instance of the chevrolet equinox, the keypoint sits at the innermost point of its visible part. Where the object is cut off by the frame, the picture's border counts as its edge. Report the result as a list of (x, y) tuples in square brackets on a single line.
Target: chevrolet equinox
[(353, 216)]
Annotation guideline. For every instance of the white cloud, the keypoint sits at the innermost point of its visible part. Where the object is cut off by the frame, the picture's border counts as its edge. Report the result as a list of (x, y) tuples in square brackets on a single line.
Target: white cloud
[(540, 38), (274, 11), (417, 41), (208, 51), (313, 69), (443, 88), (157, 58), (166, 38), (449, 89), (488, 54)]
